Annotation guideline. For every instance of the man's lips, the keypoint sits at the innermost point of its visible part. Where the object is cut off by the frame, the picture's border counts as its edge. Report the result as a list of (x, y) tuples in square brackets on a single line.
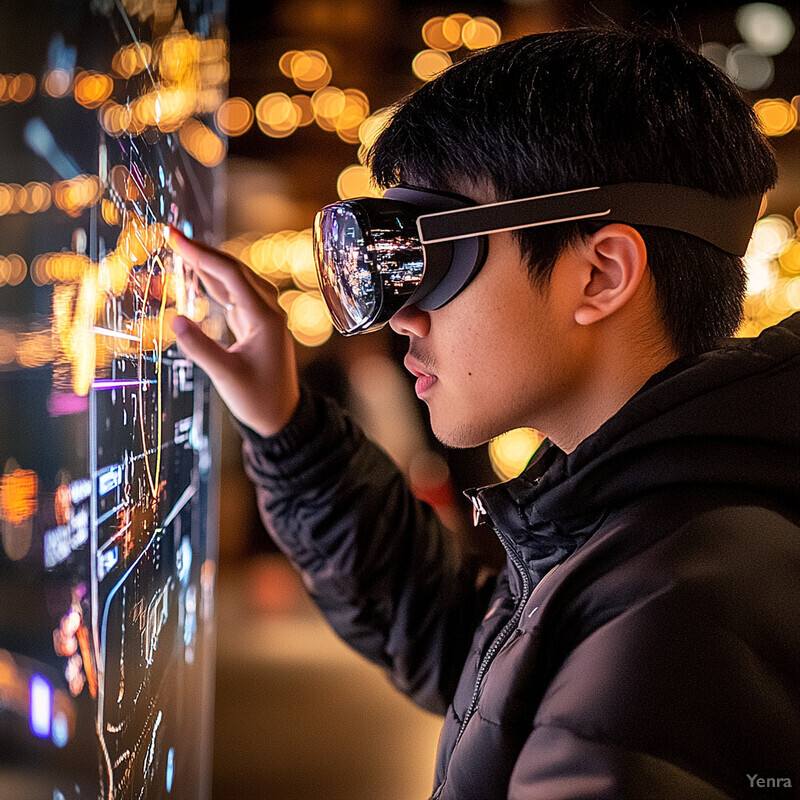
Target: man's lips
[(424, 379)]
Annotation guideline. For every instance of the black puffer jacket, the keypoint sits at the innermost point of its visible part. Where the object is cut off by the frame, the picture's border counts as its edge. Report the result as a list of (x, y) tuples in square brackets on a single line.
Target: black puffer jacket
[(661, 658)]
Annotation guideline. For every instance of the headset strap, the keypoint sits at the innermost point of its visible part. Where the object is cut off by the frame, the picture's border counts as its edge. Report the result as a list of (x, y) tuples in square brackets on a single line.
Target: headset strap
[(727, 224)]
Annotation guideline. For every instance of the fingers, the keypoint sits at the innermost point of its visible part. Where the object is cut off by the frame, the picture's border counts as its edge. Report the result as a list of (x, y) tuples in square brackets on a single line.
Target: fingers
[(205, 352), (225, 278)]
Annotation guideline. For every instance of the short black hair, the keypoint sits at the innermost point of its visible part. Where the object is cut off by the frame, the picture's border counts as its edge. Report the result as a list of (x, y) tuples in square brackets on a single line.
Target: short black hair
[(586, 107)]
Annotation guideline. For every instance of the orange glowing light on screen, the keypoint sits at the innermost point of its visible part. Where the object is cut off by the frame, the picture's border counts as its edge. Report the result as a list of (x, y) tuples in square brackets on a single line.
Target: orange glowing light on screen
[(18, 495), (131, 60), (21, 87), (57, 82), (86, 655), (201, 143), (76, 194), (92, 89)]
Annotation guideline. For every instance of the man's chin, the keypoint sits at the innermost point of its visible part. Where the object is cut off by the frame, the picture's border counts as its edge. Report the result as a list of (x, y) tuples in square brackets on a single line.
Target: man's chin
[(460, 436)]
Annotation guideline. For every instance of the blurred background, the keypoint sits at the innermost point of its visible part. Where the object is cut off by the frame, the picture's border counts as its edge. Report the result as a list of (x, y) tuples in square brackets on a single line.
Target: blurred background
[(290, 94), (310, 84)]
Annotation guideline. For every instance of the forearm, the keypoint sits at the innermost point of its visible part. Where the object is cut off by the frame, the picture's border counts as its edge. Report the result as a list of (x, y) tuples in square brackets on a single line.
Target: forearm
[(389, 578)]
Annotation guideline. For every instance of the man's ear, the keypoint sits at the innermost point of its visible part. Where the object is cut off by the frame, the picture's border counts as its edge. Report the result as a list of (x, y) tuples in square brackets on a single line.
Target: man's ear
[(616, 259)]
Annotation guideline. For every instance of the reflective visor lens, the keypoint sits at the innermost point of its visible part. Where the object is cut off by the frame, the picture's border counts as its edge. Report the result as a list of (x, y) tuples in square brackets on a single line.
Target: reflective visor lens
[(349, 285)]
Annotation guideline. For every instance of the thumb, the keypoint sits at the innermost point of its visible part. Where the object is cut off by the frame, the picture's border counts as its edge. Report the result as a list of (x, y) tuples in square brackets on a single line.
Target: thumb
[(211, 357)]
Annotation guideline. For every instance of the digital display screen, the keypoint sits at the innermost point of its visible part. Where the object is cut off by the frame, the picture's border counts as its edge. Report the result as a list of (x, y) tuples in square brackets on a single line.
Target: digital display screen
[(108, 494)]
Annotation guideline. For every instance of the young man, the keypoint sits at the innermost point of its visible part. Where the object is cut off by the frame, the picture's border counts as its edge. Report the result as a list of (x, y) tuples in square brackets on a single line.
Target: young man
[(643, 640)]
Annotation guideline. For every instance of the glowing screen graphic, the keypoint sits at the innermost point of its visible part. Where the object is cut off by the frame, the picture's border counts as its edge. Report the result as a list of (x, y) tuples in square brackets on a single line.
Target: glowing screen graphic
[(107, 490)]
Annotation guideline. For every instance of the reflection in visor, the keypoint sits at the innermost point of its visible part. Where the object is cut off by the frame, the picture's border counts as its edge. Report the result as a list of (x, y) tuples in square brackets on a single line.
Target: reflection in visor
[(346, 277)]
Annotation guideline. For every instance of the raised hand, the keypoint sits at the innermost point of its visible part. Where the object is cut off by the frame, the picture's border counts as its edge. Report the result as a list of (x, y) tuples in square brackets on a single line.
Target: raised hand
[(257, 375)]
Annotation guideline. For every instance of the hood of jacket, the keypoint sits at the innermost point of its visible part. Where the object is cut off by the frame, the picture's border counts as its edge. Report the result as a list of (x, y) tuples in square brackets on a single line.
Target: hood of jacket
[(729, 418)]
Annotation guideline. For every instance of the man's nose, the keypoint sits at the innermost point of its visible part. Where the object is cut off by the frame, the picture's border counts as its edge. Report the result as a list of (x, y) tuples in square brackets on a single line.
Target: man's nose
[(411, 321)]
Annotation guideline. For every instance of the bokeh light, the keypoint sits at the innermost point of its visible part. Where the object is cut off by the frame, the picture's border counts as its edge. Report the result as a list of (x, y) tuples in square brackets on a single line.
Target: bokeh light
[(453, 26), (276, 115), (13, 270), (132, 59), (433, 34), (427, 64), (480, 32), (57, 82), (201, 143), (355, 181), (766, 27), (303, 108), (510, 452), (748, 69), (92, 89), (776, 117), (369, 130), (19, 88), (234, 117), (309, 321), (771, 234), (309, 69)]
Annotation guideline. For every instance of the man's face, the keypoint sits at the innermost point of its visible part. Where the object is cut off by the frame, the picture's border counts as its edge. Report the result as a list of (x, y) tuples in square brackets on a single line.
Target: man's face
[(501, 355)]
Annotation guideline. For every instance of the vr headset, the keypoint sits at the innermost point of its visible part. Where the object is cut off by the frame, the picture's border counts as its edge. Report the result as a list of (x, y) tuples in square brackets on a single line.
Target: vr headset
[(417, 246)]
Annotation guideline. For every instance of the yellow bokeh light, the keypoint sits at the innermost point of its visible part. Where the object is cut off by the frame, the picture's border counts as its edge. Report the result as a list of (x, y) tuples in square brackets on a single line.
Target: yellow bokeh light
[(369, 130), (309, 69), (76, 194), (355, 111), (18, 494), (235, 116), (792, 290), (433, 35), (202, 143), (276, 115), (92, 89), (309, 321), (776, 117), (21, 87), (38, 197), (285, 62), (427, 64), (761, 272), (480, 32), (771, 234), (300, 258), (453, 26), (132, 59), (354, 181), (328, 105), (287, 298), (789, 259), (510, 453), (13, 270), (303, 108), (178, 56), (267, 256), (7, 197)]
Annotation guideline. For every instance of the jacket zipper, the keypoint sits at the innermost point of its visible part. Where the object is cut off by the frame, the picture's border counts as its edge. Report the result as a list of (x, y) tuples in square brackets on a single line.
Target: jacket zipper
[(508, 628)]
